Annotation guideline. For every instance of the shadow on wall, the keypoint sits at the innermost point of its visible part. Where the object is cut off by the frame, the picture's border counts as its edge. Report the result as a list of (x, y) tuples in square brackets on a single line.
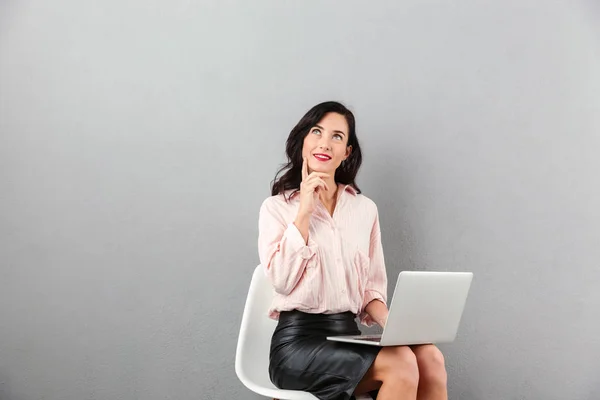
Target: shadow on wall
[(392, 190), (401, 185), (394, 194), (5, 393), (6, 18)]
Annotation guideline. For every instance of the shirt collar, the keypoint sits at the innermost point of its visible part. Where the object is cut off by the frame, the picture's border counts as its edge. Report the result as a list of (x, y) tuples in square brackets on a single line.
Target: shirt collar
[(347, 188)]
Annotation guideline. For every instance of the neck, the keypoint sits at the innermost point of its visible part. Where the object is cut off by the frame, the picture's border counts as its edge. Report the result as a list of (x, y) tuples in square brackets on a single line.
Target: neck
[(331, 194)]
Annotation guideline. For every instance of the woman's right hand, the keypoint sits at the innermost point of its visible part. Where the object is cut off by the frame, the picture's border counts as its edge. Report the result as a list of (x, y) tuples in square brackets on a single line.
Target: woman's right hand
[(310, 187)]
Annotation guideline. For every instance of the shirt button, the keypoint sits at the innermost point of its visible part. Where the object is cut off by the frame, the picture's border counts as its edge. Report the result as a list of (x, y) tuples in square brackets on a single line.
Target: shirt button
[(343, 292)]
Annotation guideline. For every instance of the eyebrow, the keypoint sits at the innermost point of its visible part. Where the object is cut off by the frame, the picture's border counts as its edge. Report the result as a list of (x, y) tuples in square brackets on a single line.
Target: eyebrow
[(320, 127)]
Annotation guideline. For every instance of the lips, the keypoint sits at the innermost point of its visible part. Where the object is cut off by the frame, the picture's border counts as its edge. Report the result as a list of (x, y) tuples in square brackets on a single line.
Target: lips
[(322, 157)]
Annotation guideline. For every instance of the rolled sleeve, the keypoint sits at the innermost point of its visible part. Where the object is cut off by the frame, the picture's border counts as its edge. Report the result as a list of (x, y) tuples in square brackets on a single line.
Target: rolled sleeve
[(364, 317), (282, 250), (293, 235)]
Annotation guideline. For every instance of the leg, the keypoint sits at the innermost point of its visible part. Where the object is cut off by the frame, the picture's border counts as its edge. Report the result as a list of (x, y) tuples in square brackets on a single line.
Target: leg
[(394, 372), (432, 373)]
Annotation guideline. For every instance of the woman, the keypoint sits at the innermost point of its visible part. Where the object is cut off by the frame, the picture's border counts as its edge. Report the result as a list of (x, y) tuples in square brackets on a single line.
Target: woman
[(320, 245)]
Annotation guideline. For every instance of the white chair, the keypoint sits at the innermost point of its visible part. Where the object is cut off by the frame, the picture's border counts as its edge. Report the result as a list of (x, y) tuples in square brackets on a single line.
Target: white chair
[(252, 353)]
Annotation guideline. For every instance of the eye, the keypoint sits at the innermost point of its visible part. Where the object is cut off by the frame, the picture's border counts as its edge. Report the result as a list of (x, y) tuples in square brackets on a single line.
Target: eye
[(316, 131), (338, 136)]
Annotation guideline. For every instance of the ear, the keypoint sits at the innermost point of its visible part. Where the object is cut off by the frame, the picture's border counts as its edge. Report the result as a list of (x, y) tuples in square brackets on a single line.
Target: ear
[(348, 151)]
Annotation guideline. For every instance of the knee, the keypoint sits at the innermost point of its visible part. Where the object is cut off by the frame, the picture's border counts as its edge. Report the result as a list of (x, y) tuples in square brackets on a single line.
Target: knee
[(431, 363), (403, 367)]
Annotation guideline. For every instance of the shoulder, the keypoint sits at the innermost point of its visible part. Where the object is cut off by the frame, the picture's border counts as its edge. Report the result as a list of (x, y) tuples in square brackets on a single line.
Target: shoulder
[(365, 202), (364, 206), (278, 203)]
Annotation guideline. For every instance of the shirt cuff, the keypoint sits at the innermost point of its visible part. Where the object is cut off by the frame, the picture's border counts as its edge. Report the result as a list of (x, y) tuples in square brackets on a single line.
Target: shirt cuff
[(364, 317), (306, 251)]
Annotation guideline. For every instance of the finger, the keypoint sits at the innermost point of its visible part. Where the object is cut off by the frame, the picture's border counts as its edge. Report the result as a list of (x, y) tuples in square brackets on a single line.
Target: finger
[(317, 183), (312, 178), (304, 168), (320, 179), (314, 185), (320, 174)]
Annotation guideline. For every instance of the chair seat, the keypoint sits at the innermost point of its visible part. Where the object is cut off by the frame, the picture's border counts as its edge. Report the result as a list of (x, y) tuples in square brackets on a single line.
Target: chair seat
[(254, 340)]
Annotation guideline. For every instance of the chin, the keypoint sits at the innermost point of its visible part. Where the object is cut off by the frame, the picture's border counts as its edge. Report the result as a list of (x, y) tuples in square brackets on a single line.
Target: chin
[(323, 168)]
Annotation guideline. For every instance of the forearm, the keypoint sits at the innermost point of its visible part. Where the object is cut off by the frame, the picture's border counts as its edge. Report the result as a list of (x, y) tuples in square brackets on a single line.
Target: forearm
[(302, 222), (378, 311), (284, 252)]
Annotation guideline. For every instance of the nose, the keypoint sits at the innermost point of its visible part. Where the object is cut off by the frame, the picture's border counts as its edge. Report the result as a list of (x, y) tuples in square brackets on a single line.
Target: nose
[(324, 143)]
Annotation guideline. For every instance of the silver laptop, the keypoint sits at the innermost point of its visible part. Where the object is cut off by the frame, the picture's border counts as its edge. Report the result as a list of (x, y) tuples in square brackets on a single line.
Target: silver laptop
[(426, 308)]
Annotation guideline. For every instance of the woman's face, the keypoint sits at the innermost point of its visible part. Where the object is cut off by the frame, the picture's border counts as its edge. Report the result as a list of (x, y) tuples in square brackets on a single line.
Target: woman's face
[(326, 145)]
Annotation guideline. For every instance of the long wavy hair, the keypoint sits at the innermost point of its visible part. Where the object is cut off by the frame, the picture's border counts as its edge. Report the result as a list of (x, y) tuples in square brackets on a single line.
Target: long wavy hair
[(292, 170)]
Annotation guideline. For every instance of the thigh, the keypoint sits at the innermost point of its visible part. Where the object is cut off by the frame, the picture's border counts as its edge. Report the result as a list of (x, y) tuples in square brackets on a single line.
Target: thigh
[(428, 354), (391, 361), (321, 366), (368, 383)]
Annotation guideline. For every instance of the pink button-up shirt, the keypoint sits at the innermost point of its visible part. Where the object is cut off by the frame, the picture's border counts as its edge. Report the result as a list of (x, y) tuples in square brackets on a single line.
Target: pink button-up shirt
[(342, 267)]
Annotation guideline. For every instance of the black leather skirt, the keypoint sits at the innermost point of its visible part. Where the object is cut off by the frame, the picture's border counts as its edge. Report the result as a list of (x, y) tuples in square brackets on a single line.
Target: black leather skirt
[(302, 358)]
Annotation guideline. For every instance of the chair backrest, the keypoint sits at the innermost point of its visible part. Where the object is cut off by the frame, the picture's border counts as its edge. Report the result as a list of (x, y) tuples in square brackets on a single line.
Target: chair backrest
[(252, 354), (254, 341)]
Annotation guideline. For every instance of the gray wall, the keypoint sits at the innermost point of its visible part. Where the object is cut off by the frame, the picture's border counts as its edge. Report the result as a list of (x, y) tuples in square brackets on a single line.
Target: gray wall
[(138, 139)]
